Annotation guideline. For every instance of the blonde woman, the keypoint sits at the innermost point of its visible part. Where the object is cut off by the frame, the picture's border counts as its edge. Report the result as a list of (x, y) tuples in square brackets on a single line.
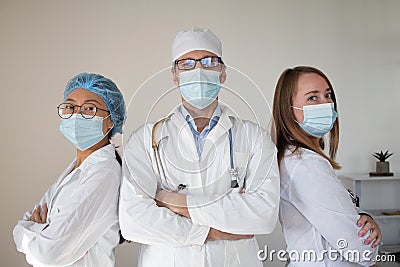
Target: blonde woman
[(316, 211)]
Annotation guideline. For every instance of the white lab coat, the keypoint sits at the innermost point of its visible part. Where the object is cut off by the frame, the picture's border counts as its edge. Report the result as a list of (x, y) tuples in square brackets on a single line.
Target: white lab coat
[(82, 224), (169, 239), (316, 210)]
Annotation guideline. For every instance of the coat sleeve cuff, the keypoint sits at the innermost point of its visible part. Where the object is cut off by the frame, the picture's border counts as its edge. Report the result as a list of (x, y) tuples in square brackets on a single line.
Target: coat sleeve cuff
[(32, 226), (197, 235), (362, 212), (195, 210)]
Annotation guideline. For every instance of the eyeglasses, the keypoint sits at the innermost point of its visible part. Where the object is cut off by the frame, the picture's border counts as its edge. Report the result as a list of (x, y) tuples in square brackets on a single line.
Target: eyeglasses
[(88, 111), (190, 63)]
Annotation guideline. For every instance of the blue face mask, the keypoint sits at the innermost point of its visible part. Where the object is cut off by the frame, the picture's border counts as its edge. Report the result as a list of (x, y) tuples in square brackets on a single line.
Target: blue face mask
[(83, 133), (318, 119), (199, 87)]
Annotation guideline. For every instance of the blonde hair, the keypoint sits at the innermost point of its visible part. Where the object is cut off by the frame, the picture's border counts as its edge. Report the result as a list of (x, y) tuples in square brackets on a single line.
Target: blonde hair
[(287, 131)]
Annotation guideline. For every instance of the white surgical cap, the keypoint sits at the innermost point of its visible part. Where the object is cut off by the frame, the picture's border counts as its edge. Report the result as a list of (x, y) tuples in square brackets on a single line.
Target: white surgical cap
[(195, 39)]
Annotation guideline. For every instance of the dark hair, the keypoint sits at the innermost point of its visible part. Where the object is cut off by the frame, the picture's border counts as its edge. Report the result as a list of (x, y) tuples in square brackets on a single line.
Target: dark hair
[(121, 238), (119, 159), (287, 131)]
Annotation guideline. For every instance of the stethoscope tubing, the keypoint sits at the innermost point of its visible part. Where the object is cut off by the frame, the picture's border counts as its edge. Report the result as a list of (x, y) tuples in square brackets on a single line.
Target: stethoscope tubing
[(160, 167)]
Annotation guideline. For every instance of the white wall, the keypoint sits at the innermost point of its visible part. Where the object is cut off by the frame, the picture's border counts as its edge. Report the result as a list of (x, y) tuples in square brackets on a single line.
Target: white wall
[(44, 43)]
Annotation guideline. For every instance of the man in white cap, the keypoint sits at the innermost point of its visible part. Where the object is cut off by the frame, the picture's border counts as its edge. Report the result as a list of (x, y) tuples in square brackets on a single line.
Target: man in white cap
[(200, 183)]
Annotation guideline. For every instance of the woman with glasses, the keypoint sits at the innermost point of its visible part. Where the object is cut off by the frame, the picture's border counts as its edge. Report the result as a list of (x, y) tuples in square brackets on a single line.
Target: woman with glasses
[(76, 221), (320, 222)]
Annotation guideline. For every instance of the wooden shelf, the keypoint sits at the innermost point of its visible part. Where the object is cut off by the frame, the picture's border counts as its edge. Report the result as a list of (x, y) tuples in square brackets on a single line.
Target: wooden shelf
[(366, 177), (378, 214)]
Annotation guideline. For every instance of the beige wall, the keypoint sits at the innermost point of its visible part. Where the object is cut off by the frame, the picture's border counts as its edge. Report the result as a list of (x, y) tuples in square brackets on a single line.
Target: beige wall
[(44, 43)]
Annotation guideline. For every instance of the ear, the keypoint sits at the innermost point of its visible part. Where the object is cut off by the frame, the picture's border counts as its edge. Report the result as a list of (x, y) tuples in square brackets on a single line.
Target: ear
[(109, 124), (222, 77), (175, 78)]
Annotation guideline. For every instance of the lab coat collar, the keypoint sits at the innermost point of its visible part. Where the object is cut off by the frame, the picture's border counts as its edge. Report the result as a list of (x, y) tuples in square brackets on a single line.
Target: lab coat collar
[(101, 154), (179, 119), (222, 127), (215, 116)]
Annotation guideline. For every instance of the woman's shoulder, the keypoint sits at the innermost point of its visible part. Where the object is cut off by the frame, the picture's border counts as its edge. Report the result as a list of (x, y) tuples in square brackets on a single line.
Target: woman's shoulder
[(300, 153), (302, 159), (305, 171), (102, 163)]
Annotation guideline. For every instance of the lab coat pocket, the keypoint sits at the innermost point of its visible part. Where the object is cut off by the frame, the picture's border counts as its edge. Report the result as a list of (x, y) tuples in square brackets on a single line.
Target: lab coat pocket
[(240, 161)]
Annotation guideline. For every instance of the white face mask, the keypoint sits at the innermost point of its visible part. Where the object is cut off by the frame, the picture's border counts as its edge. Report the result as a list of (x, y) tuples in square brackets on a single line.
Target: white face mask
[(83, 133), (199, 87), (318, 119)]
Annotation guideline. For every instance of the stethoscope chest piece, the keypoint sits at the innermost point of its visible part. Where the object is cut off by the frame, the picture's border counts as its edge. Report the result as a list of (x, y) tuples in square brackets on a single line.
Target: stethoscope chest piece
[(181, 187), (234, 175)]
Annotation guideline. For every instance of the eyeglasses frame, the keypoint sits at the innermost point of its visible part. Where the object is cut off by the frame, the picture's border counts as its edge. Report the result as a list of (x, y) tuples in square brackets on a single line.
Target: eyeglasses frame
[(80, 110), (175, 64)]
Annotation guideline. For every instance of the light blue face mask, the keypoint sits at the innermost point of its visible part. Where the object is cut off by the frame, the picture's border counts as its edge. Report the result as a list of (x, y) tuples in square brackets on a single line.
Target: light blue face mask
[(318, 119), (199, 87), (83, 133)]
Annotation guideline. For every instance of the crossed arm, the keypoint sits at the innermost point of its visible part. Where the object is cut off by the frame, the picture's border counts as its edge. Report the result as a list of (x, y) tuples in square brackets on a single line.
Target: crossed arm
[(72, 232), (177, 203)]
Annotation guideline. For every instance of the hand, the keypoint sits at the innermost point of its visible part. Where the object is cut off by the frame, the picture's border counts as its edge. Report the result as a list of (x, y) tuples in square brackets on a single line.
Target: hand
[(369, 224), (175, 202), (39, 215), (215, 234)]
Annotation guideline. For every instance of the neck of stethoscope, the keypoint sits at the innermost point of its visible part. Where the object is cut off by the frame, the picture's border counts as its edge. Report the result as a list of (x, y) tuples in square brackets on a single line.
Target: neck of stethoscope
[(231, 148), (233, 171)]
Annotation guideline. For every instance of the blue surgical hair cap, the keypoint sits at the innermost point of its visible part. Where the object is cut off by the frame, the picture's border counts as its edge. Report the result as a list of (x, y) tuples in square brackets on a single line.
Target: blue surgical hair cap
[(107, 90)]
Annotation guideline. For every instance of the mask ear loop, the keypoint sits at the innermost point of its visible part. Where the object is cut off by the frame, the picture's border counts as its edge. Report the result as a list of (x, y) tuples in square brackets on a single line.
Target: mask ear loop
[(109, 130), (298, 109)]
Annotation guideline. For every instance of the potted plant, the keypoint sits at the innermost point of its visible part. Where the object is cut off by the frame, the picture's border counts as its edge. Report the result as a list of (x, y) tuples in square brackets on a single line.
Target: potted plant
[(382, 166)]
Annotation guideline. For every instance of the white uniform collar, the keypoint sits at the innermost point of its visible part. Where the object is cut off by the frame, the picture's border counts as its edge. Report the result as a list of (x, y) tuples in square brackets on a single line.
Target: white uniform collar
[(222, 127), (101, 154), (226, 112), (215, 116)]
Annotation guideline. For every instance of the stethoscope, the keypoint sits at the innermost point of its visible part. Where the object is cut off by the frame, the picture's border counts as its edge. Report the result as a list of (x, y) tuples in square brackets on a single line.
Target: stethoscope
[(233, 171)]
